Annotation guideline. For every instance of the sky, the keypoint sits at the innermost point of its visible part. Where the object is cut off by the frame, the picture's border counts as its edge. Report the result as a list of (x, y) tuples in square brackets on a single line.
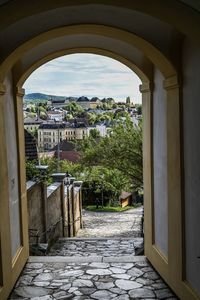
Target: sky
[(84, 74)]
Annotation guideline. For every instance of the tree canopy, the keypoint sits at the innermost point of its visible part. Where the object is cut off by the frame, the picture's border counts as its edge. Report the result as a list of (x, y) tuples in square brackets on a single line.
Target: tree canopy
[(121, 150)]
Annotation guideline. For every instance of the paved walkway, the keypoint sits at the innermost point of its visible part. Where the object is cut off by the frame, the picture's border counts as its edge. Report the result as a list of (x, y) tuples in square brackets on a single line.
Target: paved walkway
[(95, 247), (105, 234), (99, 264), (112, 224), (48, 278)]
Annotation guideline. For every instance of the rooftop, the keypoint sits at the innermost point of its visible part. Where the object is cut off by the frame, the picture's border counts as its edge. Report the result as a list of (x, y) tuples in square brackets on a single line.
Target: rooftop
[(34, 120), (83, 99)]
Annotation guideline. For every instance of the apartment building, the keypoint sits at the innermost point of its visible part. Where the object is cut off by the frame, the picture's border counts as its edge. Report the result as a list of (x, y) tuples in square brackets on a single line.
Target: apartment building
[(50, 134)]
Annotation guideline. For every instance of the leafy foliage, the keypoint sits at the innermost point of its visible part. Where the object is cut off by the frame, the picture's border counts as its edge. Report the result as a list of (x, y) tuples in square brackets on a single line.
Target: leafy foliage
[(122, 151), (108, 164), (94, 133)]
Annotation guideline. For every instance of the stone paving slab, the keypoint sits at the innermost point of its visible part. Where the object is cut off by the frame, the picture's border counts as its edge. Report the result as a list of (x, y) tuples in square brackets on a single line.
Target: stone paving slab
[(95, 280), (77, 259), (96, 247)]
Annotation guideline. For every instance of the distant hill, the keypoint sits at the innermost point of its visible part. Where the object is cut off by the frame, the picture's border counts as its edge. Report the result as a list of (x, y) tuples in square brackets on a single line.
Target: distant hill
[(45, 97), (40, 96)]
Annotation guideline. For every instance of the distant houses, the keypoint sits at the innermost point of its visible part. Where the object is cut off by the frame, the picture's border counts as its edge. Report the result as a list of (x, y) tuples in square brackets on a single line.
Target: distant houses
[(57, 103), (50, 134), (57, 128), (56, 115), (83, 101), (32, 124)]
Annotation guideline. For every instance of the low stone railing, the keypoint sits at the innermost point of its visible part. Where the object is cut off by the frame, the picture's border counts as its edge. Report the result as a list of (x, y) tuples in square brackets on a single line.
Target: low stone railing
[(54, 211)]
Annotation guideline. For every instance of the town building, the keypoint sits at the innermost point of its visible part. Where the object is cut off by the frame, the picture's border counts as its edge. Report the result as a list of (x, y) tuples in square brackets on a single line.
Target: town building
[(94, 102), (84, 102), (56, 115), (32, 124), (58, 102), (49, 134)]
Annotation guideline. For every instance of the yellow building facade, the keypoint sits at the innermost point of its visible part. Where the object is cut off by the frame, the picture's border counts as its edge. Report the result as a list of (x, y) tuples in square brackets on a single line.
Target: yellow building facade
[(48, 138)]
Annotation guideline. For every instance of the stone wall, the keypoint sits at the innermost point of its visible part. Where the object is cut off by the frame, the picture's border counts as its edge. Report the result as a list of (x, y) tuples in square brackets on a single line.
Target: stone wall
[(76, 209), (36, 210), (54, 211)]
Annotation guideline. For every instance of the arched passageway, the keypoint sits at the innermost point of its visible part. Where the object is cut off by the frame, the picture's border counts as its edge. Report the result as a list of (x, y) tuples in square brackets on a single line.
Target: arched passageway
[(156, 50)]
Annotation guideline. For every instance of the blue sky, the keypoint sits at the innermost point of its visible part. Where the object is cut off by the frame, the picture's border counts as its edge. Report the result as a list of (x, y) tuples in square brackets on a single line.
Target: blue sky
[(85, 75)]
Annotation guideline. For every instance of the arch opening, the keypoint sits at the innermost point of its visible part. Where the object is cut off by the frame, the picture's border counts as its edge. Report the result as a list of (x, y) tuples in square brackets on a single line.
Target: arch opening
[(112, 110)]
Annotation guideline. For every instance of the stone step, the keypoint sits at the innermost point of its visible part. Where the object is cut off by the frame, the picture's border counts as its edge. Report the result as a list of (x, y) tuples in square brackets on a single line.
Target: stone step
[(104, 247), (84, 259), (100, 238)]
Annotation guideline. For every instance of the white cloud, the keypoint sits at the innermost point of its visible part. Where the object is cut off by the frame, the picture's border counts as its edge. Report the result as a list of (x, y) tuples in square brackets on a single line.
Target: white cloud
[(85, 74)]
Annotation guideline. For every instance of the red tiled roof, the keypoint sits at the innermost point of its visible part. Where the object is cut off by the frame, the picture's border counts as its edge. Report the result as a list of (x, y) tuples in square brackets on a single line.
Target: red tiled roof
[(72, 156)]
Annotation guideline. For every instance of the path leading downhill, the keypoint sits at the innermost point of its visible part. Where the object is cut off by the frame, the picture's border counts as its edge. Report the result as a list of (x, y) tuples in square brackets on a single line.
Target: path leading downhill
[(100, 263), (105, 234), (112, 224)]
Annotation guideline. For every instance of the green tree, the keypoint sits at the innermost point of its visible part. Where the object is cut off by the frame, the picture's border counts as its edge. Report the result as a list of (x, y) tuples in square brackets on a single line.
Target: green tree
[(68, 117), (121, 150), (92, 118), (41, 109), (31, 115), (43, 115), (139, 109), (105, 183), (128, 101), (94, 133), (75, 169), (73, 108)]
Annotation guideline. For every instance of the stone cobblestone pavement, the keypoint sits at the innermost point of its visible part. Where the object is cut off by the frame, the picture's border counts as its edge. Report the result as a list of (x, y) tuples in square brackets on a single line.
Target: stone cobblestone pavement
[(96, 247), (99, 264), (90, 280), (112, 224), (105, 234)]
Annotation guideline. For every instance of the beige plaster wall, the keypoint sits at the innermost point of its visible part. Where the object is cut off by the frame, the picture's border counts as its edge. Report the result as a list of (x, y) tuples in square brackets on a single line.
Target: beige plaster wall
[(12, 159), (160, 164)]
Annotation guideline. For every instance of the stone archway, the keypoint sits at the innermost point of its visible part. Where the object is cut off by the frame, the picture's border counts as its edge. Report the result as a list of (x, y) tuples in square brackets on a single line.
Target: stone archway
[(169, 266)]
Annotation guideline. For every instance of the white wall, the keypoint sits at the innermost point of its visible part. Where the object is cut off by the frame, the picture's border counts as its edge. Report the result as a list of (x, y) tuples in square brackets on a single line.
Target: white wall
[(11, 141), (160, 164), (191, 126)]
